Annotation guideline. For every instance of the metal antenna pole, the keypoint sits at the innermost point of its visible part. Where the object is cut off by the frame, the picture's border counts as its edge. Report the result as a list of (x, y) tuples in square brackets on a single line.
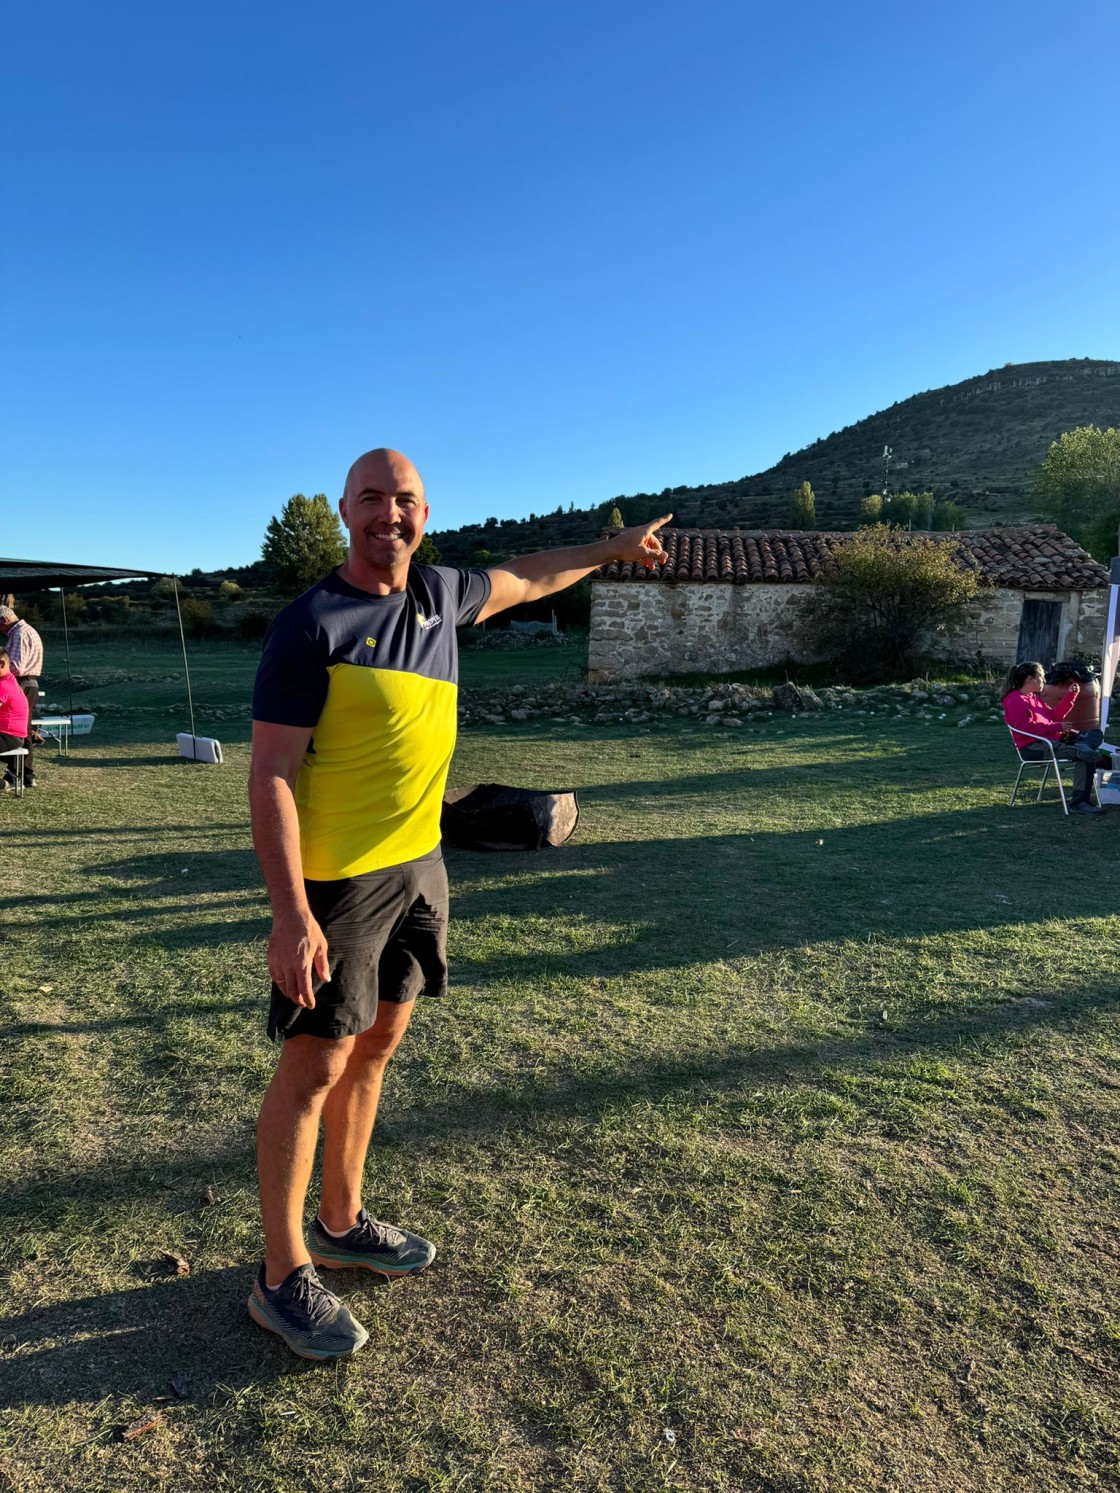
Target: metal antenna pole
[(186, 666)]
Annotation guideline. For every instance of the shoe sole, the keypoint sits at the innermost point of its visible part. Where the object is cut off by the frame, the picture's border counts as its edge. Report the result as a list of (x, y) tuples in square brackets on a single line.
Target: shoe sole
[(357, 1262), (262, 1321)]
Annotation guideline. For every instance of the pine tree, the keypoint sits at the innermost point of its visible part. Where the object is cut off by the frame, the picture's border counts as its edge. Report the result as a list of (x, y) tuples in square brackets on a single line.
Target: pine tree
[(304, 543)]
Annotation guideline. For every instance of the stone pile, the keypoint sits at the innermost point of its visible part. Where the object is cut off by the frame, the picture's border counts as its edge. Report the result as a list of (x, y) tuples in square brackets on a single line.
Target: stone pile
[(727, 705)]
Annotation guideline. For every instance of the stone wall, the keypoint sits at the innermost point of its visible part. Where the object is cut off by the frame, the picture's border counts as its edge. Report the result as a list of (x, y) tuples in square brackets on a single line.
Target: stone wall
[(648, 628), (989, 625)]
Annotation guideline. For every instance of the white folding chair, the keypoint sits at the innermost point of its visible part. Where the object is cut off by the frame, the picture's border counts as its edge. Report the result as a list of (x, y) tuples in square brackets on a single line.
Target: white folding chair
[(1050, 760), (19, 756)]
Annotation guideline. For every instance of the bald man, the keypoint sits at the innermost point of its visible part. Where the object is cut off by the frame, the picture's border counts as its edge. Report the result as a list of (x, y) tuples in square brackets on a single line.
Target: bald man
[(354, 715)]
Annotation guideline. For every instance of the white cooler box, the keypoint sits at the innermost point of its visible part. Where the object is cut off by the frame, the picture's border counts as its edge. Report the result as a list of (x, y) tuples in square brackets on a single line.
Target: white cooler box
[(199, 748)]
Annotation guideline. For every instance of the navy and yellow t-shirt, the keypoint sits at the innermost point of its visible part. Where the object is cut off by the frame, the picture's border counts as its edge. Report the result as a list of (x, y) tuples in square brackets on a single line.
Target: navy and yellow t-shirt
[(376, 680)]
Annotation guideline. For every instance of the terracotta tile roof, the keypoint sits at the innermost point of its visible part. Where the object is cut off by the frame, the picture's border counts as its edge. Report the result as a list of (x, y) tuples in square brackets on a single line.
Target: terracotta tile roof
[(1036, 557)]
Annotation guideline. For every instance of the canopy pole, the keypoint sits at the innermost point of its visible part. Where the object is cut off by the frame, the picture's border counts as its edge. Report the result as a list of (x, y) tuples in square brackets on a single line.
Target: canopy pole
[(186, 666), (66, 639)]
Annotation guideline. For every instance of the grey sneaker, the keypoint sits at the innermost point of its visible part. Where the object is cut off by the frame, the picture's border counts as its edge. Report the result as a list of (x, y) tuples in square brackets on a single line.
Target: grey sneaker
[(370, 1246), (312, 1321)]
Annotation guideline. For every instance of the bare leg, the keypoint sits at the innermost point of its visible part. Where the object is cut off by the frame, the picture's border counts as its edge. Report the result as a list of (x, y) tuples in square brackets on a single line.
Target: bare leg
[(349, 1113), (286, 1133)]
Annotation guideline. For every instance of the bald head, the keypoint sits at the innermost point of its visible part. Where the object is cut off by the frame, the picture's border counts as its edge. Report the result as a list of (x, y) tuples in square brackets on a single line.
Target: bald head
[(383, 507), (383, 470)]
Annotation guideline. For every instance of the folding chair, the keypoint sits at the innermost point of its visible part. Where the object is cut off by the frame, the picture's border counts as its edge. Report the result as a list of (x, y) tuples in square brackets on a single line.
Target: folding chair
[(1046, 763), (19, 754)]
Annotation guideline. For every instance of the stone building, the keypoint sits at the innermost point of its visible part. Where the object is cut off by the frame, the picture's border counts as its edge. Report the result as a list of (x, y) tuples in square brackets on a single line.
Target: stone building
[(727, 600)]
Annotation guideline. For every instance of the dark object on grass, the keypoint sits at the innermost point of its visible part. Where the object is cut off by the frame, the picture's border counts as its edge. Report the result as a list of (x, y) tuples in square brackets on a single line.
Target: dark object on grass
[(490, 816), (173, 1263), (139, 1426), (797, 701)]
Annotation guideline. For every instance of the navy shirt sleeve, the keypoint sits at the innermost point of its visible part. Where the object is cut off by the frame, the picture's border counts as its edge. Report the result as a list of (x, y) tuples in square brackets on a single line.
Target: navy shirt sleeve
[(292, 678), (469, 589)]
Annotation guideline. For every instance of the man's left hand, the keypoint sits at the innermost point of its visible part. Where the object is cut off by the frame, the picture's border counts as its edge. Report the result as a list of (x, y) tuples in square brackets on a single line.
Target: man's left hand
[(641, 545)]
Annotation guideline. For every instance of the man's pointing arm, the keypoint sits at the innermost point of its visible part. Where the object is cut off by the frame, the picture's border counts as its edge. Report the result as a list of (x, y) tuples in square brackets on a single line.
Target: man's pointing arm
[(530, 577)]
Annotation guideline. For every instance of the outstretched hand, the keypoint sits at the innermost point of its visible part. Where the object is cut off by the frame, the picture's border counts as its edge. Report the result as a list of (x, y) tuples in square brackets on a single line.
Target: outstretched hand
[(641, 545)]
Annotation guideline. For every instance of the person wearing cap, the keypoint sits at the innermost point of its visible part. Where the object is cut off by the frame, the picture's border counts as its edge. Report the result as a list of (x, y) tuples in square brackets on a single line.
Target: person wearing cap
[(25, 654), (354, 713)]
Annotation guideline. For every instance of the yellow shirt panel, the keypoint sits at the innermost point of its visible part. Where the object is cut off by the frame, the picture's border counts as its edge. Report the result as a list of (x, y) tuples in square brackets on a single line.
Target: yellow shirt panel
[(370, 790)]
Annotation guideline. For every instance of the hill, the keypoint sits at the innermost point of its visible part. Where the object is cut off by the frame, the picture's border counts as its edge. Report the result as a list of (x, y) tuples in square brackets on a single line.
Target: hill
[(978, 442)]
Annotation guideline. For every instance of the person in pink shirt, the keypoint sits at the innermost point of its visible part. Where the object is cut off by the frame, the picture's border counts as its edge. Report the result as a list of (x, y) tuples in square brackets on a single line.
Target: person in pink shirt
[(1028, 715), (13, 717)]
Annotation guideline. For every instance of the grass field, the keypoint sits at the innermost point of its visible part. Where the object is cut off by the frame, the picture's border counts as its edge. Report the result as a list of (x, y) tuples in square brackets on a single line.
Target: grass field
[(769, 1137)]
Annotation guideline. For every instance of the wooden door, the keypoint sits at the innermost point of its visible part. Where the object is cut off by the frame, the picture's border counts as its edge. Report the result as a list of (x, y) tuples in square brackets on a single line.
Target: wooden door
[(1038, 632)]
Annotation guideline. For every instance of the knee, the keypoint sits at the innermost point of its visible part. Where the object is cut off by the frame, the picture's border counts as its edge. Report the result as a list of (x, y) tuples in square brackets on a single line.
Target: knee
[(375, 1047), (310, 1066)]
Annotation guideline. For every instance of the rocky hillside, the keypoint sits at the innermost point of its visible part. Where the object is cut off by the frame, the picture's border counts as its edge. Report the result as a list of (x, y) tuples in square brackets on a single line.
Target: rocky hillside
[(978, 443)]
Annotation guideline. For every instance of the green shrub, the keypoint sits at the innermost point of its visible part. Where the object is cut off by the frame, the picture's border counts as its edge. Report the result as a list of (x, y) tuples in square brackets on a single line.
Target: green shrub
[(198, 618), (76, 607), (115, 609), (884, 591), (948, 515), (253, 625)]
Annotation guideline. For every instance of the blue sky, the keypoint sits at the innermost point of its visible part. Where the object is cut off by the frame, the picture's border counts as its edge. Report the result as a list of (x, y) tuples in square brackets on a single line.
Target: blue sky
[(552, 252)]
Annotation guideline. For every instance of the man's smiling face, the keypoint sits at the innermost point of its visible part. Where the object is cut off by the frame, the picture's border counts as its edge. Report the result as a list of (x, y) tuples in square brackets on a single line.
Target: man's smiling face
[(383, 507)]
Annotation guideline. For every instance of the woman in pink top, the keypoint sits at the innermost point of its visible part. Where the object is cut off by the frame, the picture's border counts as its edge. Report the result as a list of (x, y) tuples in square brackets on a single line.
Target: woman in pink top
[(1028, 715), (13, 717)]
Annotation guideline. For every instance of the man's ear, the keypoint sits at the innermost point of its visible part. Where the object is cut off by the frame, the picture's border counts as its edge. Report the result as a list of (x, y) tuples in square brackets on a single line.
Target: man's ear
[(342, 511)]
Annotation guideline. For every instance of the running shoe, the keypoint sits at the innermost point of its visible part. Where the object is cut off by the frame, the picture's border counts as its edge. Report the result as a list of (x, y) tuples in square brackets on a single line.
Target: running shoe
[(370, 1245), (310, 1319)]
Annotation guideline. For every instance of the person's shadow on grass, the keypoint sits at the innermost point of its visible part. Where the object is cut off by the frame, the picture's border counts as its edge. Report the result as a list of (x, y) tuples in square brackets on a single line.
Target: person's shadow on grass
[(183, 1338)]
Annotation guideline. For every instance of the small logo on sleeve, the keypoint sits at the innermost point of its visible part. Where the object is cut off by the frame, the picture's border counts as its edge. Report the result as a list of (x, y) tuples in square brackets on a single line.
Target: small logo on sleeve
[(426, 623)]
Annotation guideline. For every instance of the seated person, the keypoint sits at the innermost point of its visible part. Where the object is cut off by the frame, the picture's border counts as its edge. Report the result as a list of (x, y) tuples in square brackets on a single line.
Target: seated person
[(1024, 710), (13, 719)]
